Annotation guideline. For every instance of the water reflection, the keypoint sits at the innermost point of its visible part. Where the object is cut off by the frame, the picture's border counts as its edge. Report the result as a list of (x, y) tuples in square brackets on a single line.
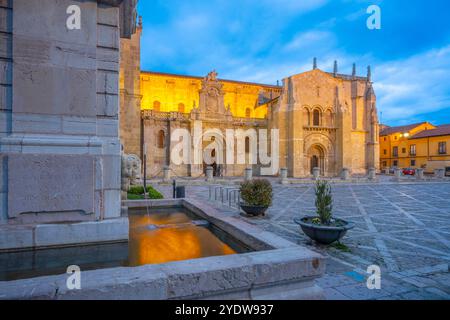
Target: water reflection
[(140, 218), (174, 244)]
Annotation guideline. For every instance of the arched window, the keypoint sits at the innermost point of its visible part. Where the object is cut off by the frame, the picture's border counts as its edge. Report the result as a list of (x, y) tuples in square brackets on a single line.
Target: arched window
[(181, 107), (157, 106), (306, 117), (316, 118), (161, 139), (248, 113)]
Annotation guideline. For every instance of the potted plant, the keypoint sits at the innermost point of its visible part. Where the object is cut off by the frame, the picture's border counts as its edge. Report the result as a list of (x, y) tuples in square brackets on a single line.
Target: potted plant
[(323, 228), (256, 196)]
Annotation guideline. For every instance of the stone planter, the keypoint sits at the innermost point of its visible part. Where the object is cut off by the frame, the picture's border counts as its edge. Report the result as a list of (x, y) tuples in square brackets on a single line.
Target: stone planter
[(324, 234), (253, 210)]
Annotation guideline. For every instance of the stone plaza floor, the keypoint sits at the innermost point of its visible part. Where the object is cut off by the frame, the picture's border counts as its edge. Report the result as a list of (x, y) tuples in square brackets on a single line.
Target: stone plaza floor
[(402, 227)]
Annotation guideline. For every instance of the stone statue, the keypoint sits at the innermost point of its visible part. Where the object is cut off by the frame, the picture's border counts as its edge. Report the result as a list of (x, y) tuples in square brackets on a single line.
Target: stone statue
[(131, 173)]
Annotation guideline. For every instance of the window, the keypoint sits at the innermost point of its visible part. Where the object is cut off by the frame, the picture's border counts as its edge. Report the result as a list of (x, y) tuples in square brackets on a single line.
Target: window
[(247, 144), (385, 152), (384, 164), (384, 138), (395, 151), (181, 108), (248, 113), (412, 150), (161, 139), (403, 150), (413, 163), (157, 106), (442, 147), (395, 163), (316, 118)]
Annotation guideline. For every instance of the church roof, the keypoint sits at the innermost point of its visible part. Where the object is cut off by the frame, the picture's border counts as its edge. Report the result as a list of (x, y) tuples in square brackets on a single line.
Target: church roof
[(390, 130), (443, 130)]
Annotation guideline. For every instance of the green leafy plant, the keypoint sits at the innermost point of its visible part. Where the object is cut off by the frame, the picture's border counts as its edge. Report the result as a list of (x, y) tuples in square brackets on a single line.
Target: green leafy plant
[(257, 192), (137, 193), (324, 202)]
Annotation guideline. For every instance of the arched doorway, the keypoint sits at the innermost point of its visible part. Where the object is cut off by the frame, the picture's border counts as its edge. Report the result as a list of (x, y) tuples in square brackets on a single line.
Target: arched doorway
[(316, 156)]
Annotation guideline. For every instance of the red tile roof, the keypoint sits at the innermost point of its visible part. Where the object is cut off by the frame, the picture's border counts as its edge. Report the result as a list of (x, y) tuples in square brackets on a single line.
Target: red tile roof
[(443, 130), (400, 129)]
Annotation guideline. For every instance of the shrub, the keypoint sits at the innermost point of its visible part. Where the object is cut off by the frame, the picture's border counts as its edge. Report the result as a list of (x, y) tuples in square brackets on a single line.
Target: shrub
[(257, 192), (324, 202), (137, 193)]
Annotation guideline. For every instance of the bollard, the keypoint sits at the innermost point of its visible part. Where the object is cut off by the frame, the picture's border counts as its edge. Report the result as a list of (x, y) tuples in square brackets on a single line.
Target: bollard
[(166, 174), (372, 174), (419, 174), (283, 176), (248, 174), (316, 173), (345, 175), (209, 174)]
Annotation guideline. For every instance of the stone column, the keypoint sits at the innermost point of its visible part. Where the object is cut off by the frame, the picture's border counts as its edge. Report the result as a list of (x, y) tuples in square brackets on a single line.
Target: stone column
[(166, 172), (316, 173), (283, 175), (419, 174), (248, 174), (209, 174), (345, 175), (372, 174)]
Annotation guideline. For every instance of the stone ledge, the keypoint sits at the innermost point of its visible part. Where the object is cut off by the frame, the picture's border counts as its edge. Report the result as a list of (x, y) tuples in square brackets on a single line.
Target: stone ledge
[(20, 237)]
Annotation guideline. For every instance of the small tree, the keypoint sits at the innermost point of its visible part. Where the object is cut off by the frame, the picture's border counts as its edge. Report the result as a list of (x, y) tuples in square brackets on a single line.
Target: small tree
[(324, 202), (257, 192)]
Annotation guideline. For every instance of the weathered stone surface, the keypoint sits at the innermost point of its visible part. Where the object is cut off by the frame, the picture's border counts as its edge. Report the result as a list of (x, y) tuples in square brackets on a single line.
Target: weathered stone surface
[(55, 183), (79, 125), (5, 97), (107, 105), (108, 82), (5, 72), (107, 127), (107, 37), (16, 237)]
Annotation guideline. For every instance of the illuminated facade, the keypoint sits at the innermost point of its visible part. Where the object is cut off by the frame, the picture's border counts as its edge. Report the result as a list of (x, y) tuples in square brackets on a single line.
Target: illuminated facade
[(420, 145), (326, 120)]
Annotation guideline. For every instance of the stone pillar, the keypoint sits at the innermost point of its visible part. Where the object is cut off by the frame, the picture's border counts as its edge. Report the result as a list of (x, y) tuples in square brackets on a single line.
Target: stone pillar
[(166, 172), (345, 175), (209, 174), (283, 175), (398, 173), (316, 173), (248, 174), (419, 174), (372, 174)]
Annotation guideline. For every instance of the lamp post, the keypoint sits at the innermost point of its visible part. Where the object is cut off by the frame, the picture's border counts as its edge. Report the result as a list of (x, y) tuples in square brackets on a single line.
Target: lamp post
[(145, 169)]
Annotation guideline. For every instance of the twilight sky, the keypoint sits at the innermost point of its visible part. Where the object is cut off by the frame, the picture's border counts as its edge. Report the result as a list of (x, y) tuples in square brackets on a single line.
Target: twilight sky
[(267, 40)]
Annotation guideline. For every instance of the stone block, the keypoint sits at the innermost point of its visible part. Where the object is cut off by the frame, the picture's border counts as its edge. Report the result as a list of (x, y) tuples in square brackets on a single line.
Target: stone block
[(35, 123), (5, 97), (107, 127), (41, 89), (5, 19), (107, 59), (107, 15), (107, 105), (108, 37), (47, 19), (5, 72), (5, 122), (5, 46), (16, 237), (54, 183), (112, 204), (111, 172), (108, 82), (3, 207), (79, 125), (85, 232)]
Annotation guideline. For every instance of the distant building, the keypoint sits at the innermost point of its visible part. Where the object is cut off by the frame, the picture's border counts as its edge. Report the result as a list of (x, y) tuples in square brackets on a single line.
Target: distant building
[(419, 145)]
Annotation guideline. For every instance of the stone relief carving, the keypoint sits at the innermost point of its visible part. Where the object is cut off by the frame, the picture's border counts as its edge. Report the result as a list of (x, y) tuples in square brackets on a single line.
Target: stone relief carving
[(211, 97)]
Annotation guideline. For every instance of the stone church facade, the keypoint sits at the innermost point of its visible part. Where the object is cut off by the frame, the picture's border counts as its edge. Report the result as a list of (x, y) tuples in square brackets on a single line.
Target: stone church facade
[(325, 119)]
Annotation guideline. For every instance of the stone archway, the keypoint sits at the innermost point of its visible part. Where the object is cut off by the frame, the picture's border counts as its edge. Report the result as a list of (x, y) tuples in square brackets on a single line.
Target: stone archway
[(316, 158)]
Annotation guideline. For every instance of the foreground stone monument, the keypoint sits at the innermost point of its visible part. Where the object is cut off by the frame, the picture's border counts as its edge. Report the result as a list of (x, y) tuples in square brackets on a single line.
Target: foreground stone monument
[(59, 126)]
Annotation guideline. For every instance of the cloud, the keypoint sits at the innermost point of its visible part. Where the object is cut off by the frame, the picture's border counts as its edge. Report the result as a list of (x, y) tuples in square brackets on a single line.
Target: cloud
[(413, 86)]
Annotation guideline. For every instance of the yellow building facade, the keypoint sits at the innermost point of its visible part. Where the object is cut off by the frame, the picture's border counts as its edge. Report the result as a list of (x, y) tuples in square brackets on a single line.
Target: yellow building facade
[(420, 145), (165, 92)]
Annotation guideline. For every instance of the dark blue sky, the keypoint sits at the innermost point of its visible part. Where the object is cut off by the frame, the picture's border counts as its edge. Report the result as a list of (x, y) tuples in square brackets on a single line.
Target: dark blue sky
[(267, 40)]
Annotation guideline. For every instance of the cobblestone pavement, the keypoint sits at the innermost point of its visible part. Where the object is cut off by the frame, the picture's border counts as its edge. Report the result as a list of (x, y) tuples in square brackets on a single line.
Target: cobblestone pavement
[(403, 228)]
